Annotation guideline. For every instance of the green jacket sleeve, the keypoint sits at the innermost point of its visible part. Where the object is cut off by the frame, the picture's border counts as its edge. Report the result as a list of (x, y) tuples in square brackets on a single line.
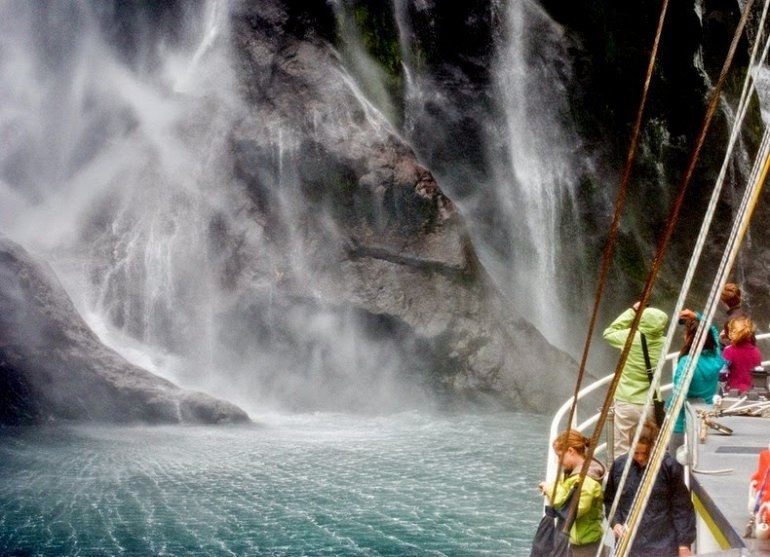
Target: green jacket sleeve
[(617, 332), (587, 496), (563, 489)]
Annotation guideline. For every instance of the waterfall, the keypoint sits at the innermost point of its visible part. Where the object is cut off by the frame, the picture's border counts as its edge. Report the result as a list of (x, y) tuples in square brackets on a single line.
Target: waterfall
[(517, 177), (120, 123), (116, 166), (762, 78), (129, 135), (538, 174)]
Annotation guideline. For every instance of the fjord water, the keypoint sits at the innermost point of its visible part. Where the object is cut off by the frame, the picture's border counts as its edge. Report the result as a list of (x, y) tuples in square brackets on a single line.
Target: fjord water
[(118, 119), (288, 485)]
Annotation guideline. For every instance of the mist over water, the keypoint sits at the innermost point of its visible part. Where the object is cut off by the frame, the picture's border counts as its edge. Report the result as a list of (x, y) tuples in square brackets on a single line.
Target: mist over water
[(117, 170), (117, 121)]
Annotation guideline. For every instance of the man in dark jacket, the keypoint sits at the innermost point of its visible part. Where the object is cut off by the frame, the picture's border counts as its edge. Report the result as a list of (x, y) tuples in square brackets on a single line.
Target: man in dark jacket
[(667, 525)]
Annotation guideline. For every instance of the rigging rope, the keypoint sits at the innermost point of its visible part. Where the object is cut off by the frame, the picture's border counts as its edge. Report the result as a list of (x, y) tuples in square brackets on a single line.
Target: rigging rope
[(748, 87), (741, 224), (656, 263), (619, 204), (643, 494), (739, 229), (607, 261)]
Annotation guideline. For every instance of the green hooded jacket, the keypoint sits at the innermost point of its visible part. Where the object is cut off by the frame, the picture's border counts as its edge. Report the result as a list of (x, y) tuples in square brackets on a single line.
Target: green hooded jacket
[(634, 383), (587, 527)]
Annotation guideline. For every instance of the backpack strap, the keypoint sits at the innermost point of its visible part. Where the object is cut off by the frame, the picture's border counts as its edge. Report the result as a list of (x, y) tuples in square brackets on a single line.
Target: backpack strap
[(646, 357), (647, 361)]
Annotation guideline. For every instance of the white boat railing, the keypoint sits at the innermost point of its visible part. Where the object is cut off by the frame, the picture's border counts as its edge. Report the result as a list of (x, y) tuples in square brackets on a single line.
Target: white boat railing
[(557, 426)]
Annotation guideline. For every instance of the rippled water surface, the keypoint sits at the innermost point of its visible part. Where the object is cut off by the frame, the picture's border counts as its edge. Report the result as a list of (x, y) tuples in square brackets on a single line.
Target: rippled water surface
[(411, 484)]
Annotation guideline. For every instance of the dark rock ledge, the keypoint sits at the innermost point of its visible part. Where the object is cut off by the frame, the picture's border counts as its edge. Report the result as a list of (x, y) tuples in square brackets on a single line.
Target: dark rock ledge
[(53, 368)]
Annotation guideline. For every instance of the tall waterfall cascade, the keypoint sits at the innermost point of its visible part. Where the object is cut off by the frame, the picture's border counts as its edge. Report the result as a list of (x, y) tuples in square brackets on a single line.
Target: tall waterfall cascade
[(127, 134)]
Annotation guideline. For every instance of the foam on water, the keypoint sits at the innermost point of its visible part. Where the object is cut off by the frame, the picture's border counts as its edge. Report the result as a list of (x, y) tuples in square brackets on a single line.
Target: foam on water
[(411, 484)]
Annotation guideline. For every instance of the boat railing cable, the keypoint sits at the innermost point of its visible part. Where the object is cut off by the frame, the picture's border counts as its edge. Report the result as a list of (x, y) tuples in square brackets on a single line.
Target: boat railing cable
[(657, 260), (711, 306), (619, 203), (747, 88), (741, 222), (738, 232), (743, 104)]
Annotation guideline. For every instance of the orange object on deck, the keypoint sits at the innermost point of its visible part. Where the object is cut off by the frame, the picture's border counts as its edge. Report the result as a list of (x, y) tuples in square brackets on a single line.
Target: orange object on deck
[(760, 488)]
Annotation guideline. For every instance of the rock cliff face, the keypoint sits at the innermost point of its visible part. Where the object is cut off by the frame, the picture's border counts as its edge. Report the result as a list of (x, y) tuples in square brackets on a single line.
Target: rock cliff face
[(54, 369), (404, 251), (330, 218), (381, 234), (611, 46), (337, 235)]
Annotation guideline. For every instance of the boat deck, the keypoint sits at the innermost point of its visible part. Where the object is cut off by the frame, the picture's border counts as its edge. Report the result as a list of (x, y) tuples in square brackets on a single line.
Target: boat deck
[(720, 477)]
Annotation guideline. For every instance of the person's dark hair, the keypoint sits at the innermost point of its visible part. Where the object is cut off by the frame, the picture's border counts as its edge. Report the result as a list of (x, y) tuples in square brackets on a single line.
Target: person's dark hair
[(731, 295), (690, 328)]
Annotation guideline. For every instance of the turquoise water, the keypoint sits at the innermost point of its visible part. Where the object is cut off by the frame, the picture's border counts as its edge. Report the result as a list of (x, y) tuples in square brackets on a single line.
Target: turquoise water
[(322, 484)]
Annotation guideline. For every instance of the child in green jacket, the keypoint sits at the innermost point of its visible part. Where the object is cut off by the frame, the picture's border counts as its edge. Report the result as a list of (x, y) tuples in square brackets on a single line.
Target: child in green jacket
[(586, 532)]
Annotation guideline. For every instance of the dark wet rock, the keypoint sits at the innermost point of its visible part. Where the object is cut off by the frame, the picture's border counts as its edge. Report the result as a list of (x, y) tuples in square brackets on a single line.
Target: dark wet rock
[(399, 247), (54, 368)]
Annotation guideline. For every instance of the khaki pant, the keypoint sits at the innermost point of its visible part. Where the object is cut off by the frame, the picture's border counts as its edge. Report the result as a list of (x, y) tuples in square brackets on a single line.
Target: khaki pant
[(626, 420)]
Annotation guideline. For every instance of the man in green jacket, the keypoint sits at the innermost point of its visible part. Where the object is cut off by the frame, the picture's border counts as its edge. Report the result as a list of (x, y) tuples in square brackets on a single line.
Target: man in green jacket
[(631, 392)]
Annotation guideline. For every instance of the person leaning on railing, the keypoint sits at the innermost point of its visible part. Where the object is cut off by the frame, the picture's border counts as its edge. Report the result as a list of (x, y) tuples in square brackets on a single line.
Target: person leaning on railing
[(586, 531), (667, 524)]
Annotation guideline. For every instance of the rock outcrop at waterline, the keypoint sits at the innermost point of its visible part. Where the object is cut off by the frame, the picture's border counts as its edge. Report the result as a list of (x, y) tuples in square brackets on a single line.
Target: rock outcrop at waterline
[(53, 368)]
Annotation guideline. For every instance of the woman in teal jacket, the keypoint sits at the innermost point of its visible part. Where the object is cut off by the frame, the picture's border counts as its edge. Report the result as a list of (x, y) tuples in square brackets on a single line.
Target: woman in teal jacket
[(705, 377)]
